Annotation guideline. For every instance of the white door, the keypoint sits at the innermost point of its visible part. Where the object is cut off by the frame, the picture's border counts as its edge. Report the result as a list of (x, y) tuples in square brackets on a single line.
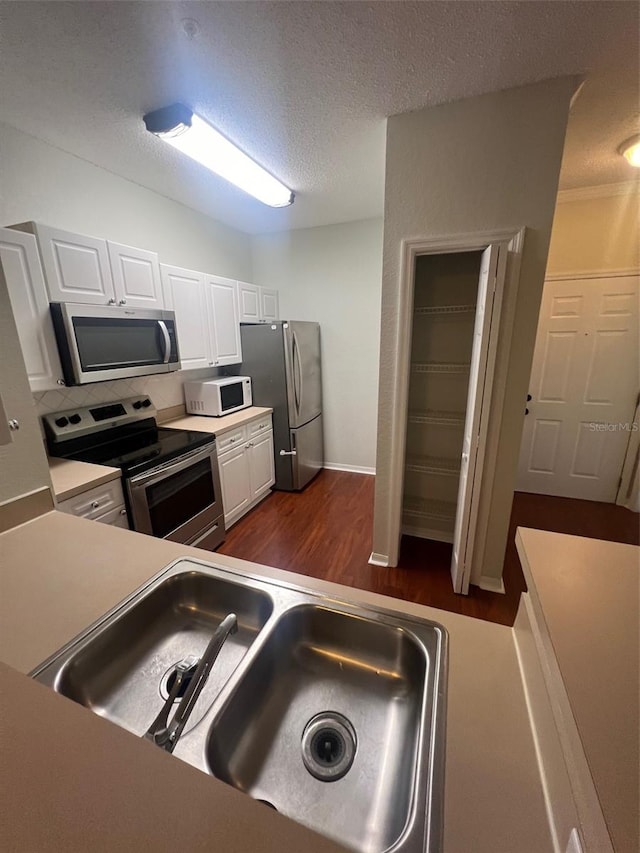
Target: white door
[(249, 302), (262, 464), (235, 480), (480, 378), (185, 291), (224, 323), (30, 303), (136, 276), (584, 383), (269, 308), (76, 267)]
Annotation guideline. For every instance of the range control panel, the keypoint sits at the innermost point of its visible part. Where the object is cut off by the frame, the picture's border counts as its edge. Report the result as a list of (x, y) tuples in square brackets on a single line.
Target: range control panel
[(74, 423)]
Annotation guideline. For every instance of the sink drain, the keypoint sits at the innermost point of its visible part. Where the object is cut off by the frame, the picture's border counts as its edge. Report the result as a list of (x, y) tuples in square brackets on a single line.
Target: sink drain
[(328, 746), (168, 679)]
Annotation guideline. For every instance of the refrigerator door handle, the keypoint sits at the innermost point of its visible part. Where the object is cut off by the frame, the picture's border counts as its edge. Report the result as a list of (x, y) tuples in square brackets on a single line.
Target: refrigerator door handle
[(297, 374)]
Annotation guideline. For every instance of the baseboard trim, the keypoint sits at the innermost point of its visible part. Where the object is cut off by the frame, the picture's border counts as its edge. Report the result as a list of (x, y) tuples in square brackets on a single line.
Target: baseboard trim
[(379, 560), (491, 584), (353, 469)]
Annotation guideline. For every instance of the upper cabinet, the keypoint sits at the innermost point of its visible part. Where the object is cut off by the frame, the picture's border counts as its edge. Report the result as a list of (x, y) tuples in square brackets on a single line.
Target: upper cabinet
[(206, 309), (21, 269), (136, 276), (249, 302), (269, 307), (184, 294), (94, 271), (224, 322), (257, 304)]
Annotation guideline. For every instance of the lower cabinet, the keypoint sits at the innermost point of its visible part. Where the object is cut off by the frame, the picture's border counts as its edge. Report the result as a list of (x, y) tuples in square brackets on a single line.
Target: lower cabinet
[(247, 470), (103, 503)]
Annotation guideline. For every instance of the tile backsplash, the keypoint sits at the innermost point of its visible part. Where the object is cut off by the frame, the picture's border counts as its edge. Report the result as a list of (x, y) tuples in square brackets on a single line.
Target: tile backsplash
[(164, 391)]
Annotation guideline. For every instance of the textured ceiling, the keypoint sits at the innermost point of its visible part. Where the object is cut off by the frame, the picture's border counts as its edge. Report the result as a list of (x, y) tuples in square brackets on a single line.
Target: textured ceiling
[(304, 86)]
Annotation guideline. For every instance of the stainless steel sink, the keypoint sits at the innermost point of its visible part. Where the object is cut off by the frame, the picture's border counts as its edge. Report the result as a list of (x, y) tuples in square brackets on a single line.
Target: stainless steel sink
[(122, 670), (330, 712)]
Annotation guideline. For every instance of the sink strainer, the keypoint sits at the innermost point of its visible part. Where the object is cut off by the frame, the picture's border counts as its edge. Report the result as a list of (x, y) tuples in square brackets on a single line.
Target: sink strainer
[(328, 746)]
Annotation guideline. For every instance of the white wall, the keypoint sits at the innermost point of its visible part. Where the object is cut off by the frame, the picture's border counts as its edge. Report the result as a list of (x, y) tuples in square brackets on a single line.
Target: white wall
[(595, 234), (332, 275), (23, 463), (479, 164), (41, 183)]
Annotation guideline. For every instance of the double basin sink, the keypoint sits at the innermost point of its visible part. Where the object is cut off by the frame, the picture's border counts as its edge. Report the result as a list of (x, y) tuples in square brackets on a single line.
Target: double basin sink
[(332, 713)]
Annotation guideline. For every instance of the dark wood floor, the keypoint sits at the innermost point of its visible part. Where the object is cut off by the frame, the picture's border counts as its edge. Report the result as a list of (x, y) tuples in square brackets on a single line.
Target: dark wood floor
[(325, 532)]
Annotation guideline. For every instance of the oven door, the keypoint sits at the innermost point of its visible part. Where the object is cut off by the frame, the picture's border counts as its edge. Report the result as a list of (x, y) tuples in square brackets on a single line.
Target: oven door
[(180, 500)]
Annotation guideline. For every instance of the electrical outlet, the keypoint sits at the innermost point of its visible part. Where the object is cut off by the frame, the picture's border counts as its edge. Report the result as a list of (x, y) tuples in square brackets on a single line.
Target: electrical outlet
[(574, 845)]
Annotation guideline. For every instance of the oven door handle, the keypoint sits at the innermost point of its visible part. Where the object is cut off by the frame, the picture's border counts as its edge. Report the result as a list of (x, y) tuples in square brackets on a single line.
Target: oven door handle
[(167, 341), (148, 478)]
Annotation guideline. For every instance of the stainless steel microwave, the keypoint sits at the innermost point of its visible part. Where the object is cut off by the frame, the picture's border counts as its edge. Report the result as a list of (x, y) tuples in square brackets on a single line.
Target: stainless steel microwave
[(99, 343)]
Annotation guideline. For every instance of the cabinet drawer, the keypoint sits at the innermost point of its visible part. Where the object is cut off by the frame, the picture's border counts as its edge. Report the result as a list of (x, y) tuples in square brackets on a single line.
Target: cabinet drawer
[(95, 502), (259, 427), (231, 439), (116, 517)]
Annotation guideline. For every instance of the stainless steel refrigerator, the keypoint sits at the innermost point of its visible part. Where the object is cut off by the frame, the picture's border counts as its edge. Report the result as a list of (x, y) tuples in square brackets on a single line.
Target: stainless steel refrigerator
[(283, 361)]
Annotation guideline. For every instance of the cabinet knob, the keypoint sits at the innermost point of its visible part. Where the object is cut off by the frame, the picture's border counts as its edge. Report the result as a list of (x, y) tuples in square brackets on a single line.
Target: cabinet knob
[(232, 441), (123, 511), (112, 302), (95, 504), (122, 302), (14, 425), (60, 382)]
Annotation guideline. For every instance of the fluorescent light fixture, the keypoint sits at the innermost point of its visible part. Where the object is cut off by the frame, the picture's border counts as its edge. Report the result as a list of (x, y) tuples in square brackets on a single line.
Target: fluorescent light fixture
[(630, 150), (192, 135)]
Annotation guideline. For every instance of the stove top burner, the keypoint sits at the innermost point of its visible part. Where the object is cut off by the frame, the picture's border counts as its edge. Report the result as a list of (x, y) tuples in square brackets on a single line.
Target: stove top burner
[(126, 437)]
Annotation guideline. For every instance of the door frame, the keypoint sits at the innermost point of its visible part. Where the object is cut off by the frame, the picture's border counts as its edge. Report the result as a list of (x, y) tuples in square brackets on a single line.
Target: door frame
[(503, 317)]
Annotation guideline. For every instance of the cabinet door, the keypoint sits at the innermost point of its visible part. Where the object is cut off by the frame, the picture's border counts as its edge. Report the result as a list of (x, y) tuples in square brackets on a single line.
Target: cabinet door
[(270, 310), (262, 464), (187, 295), (136, 276), (224, 322), (30, 303), (76, 268), (235, 479), (249, 302)]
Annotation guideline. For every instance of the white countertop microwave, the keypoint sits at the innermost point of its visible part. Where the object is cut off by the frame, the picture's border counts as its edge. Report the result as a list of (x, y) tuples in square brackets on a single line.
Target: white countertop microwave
[(218, 397)]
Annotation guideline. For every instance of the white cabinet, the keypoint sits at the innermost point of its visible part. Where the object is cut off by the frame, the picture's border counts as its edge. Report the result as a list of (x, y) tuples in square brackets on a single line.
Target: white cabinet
[(136, 276), (184, 293), (30, 303), (224, 323), (94, 271), (257, 304), (269, 307), (104, 503), (247, 468), (249, 302), (206, 310), (235, 478), (76, 267)]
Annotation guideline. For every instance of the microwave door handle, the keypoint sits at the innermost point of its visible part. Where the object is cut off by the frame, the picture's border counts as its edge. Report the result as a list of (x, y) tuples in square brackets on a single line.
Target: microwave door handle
[(297, 374), (167, 341)]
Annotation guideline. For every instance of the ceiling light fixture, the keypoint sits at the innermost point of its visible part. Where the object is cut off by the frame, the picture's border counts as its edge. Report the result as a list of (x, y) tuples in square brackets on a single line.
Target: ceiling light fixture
[(630, 150), (192, 135)]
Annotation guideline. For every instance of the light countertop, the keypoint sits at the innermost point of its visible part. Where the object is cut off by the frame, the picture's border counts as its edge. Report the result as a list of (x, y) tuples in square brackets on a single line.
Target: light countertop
[(59, 573), (218, 425), (70, 478), (587, 595)]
